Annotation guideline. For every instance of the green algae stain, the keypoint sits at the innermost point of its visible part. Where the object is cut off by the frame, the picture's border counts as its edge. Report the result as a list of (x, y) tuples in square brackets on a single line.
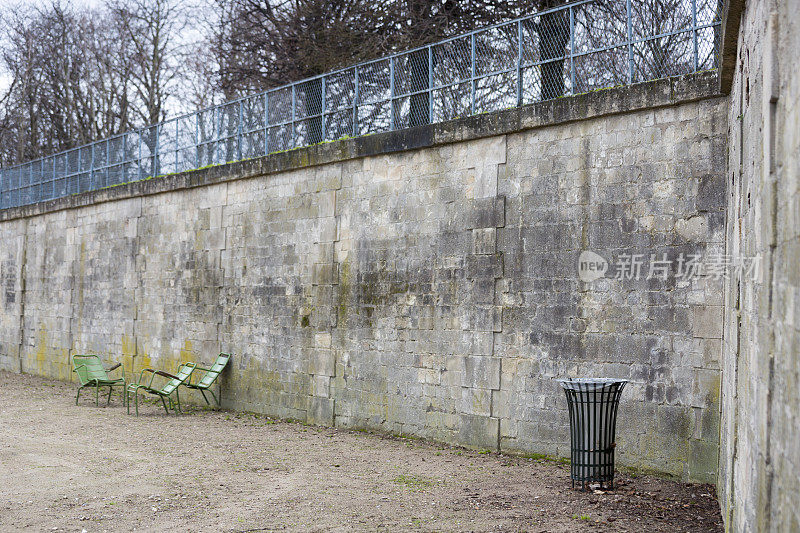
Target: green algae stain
[(344, 289)]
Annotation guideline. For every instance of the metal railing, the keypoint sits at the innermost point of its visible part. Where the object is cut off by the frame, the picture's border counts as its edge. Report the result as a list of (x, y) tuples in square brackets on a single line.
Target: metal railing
[(577, 48)]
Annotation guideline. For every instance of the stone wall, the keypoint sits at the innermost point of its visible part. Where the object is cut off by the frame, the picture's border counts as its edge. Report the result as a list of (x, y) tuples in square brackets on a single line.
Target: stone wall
[(12, 275), (421, 282), (761, 386)]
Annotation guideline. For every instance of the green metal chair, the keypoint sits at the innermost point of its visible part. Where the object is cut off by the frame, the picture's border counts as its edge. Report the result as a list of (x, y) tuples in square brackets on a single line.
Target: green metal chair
[(165, 391), (92, 374), (211, 374)]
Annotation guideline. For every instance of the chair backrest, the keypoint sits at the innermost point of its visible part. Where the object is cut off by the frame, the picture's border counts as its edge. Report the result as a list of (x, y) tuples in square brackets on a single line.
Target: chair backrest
[(183, 373), (216, 369), (89, 368)]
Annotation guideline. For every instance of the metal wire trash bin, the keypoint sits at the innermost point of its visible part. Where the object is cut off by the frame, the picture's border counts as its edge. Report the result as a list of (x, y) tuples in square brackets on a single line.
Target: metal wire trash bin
[(592, 404)]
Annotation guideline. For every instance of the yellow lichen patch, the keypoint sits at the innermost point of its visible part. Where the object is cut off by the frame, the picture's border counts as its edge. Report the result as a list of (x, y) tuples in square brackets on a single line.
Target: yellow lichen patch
[(186, 353), (128, 355), (141, 361), (65, 372), (40, 355)]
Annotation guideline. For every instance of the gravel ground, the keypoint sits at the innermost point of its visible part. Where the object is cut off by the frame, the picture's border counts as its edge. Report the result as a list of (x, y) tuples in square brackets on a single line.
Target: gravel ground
[(84, 468)]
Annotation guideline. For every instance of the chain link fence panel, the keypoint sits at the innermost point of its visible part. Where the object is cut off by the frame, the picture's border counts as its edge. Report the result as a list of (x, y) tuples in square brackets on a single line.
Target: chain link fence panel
[(577, 48)]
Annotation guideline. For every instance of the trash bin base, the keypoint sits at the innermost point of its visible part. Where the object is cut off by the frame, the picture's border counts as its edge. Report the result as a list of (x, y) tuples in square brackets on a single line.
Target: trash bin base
[(584, 486)]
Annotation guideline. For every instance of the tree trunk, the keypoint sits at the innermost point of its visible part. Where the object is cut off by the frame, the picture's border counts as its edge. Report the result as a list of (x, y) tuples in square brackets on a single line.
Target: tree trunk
[(553, 29), (313, 93), (419, 103)]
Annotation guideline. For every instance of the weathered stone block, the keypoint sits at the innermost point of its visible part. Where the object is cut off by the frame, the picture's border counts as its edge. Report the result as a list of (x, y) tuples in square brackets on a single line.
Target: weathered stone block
[(484, 241), (326, 204), (704, 461), (707, 321), (479, 432), (476, 402), (484, 266), (486, 213), (481, 372), (322, 362), (320, 411), (325, 274)]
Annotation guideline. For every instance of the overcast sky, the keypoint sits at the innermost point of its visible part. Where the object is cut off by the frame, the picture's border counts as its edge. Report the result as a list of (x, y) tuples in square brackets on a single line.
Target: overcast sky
[(7, 3)]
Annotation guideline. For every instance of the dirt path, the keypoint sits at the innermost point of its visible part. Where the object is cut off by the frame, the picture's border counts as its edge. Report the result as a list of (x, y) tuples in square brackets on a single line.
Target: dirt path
[(74, 468)]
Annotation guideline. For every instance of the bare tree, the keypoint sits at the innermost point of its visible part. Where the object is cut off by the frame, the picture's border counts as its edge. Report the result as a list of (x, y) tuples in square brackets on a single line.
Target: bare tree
[(156, 32), (153, 28), (260, 44), (200, 78), (68, 73)]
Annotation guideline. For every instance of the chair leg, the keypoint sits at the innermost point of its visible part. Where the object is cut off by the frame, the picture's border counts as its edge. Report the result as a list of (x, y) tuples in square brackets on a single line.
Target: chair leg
[(204, 396), (136, 398), (178, 398), (109, 395), (97, 395), (215, 398), (164, 404), (78, 395), (128, 399)]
